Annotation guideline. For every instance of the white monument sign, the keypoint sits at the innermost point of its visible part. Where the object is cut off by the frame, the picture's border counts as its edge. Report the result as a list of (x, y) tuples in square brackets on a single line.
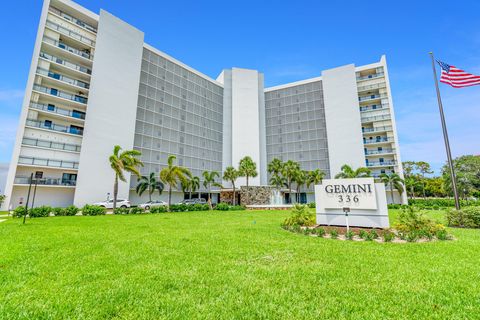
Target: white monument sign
[(362, 199)]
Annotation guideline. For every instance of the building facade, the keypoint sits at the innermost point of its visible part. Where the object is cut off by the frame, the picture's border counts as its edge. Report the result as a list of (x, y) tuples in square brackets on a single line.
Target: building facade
[(94, 83)]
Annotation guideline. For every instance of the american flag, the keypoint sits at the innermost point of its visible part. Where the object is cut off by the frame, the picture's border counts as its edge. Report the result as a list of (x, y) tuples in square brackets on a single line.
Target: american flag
[(457, 78)]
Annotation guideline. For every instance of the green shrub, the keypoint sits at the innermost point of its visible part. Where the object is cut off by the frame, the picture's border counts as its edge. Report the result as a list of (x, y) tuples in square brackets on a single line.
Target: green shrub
[(222, 206), (300, 216), (136, 210), (58, 211), (311, 205), (122, 211), (320, 231), (373, 234), (440, 203), (442, 235), (236, 208), (93, 210), (363, 234), (349, 235), (71, 210), (334, 234), (158, 209), (40, 212), (179, 207), (394, 206), (19, 212), (413, 224), (467, 217), (388, 236)]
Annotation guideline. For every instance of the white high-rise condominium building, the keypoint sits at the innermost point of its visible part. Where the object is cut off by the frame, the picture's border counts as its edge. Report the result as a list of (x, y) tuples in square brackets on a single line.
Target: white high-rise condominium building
[(94, 84)]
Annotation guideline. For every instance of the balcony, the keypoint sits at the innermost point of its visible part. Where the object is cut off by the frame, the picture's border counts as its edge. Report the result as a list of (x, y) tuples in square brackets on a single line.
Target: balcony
[(62, 78), (380, 140), (47, 163), (60, 94), (56, 110), (376, 118), (69, 33), (73, 19), (377, 129), (66, 63), (378, 152), (370, 76), (59, 44), (54, 127), (372, 87), (372, 97), (50, 145), (46, 181), (373, 107), (387, 163)]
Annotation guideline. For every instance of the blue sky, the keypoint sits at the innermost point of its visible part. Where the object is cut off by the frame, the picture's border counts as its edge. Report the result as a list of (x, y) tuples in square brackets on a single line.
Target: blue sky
[(291, 41)]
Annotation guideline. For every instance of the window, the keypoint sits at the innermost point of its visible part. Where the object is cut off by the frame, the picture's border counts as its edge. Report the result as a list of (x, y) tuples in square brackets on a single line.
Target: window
[(38, 174), (51, 107), (47, 124), (374, 106)]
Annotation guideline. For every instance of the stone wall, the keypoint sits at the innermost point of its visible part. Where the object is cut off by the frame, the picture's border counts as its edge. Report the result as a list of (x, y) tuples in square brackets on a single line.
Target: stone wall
[(256, 195)]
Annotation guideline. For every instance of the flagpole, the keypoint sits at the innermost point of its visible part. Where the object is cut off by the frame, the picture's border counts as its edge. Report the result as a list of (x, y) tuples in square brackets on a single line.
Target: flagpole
[(445, 136)]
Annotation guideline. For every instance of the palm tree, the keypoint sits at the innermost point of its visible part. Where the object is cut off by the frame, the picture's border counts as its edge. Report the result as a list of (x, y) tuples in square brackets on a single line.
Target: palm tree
[(424, 168), (278, 181), (209, 181), (300, 179), (315, 177), (185, 186), (172, 174), (289, 170), (194, 186), (247, 168), (275, 169), (392, 180), (349, 173), (412, 182), (231, 174), (121, 162), (149, 183)]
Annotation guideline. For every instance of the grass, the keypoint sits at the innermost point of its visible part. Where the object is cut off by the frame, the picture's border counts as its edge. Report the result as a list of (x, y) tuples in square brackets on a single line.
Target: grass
[(226, 265)]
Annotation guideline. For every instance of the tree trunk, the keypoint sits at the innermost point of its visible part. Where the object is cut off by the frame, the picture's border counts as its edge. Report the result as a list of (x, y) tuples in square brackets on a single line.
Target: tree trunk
[(391, 193), (209, 199), (115, 193), (150, 195), (234, 199), (190, 195), (169, 196), (247, 180)]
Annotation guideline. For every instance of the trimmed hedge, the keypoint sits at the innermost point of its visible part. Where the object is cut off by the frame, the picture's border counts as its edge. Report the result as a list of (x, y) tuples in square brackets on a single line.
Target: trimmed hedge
[(158, 209), (222, 206), (188, 207), (441, 203), (40, 212), (68, 211), (467, 217), (92, 210), (19, 212)]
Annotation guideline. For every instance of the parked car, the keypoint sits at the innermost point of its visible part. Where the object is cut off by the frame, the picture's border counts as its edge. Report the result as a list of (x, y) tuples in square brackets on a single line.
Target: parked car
[(187, 201), (154, 203), (121, 203), (193, 201)]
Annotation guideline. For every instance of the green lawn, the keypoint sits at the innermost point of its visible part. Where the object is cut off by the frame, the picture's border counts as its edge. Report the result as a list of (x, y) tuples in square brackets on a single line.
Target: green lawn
[(226, 265)]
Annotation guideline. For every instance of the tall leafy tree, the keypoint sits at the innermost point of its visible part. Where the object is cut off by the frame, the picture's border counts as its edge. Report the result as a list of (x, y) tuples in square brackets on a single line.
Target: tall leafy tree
[(247, 168), (424, 168), (300, 179), (185, 186), (121, 162), (275, 168), (277, 181), (411, 183), (467, 171), (194, 186), (172, 174), (289, 169), (315, 177), (393, 181), (209, 181), (348, 172), (150, 184), (231, 174)]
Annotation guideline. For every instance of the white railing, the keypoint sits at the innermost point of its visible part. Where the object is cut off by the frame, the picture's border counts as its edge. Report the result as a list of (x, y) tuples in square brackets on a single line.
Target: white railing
[(48, 162), (70, 33), (66, 63), (51, 144)]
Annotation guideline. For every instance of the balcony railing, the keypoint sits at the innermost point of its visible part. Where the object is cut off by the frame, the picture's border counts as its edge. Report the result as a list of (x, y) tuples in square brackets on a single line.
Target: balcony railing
[(69, 33), (59, 93), (48, 162), (372, 87), (57, 110), (66, 63), (54, 127), (372, 97), (376, 118), (370, 76), (381, 163), (376, 129), (46, 181), (375, 152), (62, 78), (61, 45), (50, 144), (382, 139), (374, 107), (72, 19)]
